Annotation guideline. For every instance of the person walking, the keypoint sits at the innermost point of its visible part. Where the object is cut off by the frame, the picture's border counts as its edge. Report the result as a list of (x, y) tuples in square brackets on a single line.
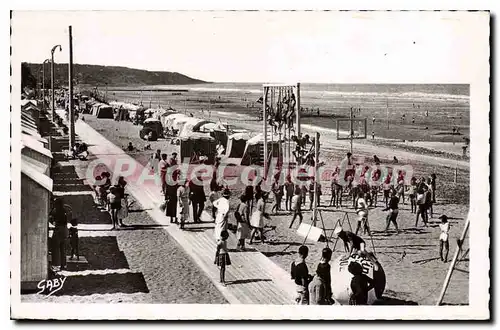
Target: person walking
[(183, 200), (257, 219), (155, 160), (59, 218), (114, 203), (221, 218), (296, 207), (311, 194), (443, 238), (171, 199), (428, 199), (412, 189), (421, 202), (277, 189), (336, 188), (123, 211), (197, 197), (241, 216), (393, 209), (214, 190), (433, 186), (289, 189), (163, 167), (362, 211)]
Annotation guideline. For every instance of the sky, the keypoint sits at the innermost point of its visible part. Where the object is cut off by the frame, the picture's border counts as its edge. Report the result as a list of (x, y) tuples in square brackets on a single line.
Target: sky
[(222, 46)]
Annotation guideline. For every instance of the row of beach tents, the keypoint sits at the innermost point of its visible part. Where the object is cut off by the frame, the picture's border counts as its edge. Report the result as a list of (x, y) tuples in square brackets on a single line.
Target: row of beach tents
[(198, 137)]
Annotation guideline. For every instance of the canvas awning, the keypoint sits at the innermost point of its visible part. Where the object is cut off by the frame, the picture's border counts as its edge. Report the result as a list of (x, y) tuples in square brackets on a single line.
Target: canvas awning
[(35, 170)]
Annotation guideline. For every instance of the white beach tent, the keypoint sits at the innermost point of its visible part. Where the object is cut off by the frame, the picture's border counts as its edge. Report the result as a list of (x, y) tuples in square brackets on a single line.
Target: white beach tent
[(236, 144), (255, 147), (188, 125), (195, 145), (169, 121)]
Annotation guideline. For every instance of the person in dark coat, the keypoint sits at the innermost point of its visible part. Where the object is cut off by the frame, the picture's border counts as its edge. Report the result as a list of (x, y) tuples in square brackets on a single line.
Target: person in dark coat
[(59, 218), (171, 199), (197, 197), (360, 285)]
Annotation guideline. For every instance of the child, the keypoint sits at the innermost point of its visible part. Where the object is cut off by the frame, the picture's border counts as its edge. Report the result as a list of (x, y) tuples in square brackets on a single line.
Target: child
[(320, 289), (300, 274), (222, 256), (73, 239), (360, 285), (443, 238)]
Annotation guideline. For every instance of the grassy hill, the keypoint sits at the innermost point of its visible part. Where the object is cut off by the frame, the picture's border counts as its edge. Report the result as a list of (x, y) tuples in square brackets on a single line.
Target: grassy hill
[(112, 75)]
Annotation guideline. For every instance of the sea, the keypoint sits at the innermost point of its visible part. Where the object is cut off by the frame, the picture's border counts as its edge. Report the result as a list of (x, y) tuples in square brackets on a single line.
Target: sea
[(451, 92)]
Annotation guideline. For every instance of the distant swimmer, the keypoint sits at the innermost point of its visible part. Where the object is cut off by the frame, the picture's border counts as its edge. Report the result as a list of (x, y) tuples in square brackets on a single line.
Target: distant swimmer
[(395, 160), (373, 135), (376, 160), (413, 120), (373, 120)]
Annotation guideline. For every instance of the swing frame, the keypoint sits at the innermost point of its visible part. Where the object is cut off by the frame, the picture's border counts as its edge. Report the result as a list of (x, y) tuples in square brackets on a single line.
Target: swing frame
[(278, 89)]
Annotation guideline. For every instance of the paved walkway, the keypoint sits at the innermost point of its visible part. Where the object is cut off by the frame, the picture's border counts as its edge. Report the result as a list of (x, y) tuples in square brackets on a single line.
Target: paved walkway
[(252, 278)]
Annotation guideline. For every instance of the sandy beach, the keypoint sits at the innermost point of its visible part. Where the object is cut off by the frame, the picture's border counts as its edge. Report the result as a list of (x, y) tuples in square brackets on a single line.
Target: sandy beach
[(408, 282)]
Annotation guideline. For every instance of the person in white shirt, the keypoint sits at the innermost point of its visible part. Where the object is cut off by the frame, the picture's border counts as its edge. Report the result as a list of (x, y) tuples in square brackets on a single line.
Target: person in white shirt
[(362, 211), (443, 238)]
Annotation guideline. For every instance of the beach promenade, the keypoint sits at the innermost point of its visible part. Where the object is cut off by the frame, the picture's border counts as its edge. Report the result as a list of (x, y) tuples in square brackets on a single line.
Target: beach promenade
[(251, 279)]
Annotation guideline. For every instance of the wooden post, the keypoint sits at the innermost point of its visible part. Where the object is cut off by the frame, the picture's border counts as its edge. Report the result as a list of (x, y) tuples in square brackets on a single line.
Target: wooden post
[(264, 121), (387, 112), (71, 107), (351, 129), (316, 160), (453, 263), (297, 115)]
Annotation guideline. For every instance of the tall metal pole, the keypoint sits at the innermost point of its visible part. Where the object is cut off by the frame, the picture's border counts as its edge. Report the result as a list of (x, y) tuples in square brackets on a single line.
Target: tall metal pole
[(387, 112), (264, 122), (43, 82), (351, 132), (52, 79), (453, 263), (71, 108), (316, 160), (297, 115)]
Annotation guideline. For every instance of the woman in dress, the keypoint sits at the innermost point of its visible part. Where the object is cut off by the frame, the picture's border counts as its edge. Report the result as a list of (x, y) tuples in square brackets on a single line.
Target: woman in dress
[(171, 200), (241, 215), (183, 200), (221, 218), (257, 220), (123, 211)]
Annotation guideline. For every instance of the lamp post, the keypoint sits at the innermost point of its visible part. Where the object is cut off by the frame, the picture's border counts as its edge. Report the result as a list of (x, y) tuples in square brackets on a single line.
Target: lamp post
[(43, 82), (52, 79)]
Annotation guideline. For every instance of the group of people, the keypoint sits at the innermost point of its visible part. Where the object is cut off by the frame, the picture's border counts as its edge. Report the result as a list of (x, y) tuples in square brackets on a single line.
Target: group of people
[(112, 197), (317, 290)]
